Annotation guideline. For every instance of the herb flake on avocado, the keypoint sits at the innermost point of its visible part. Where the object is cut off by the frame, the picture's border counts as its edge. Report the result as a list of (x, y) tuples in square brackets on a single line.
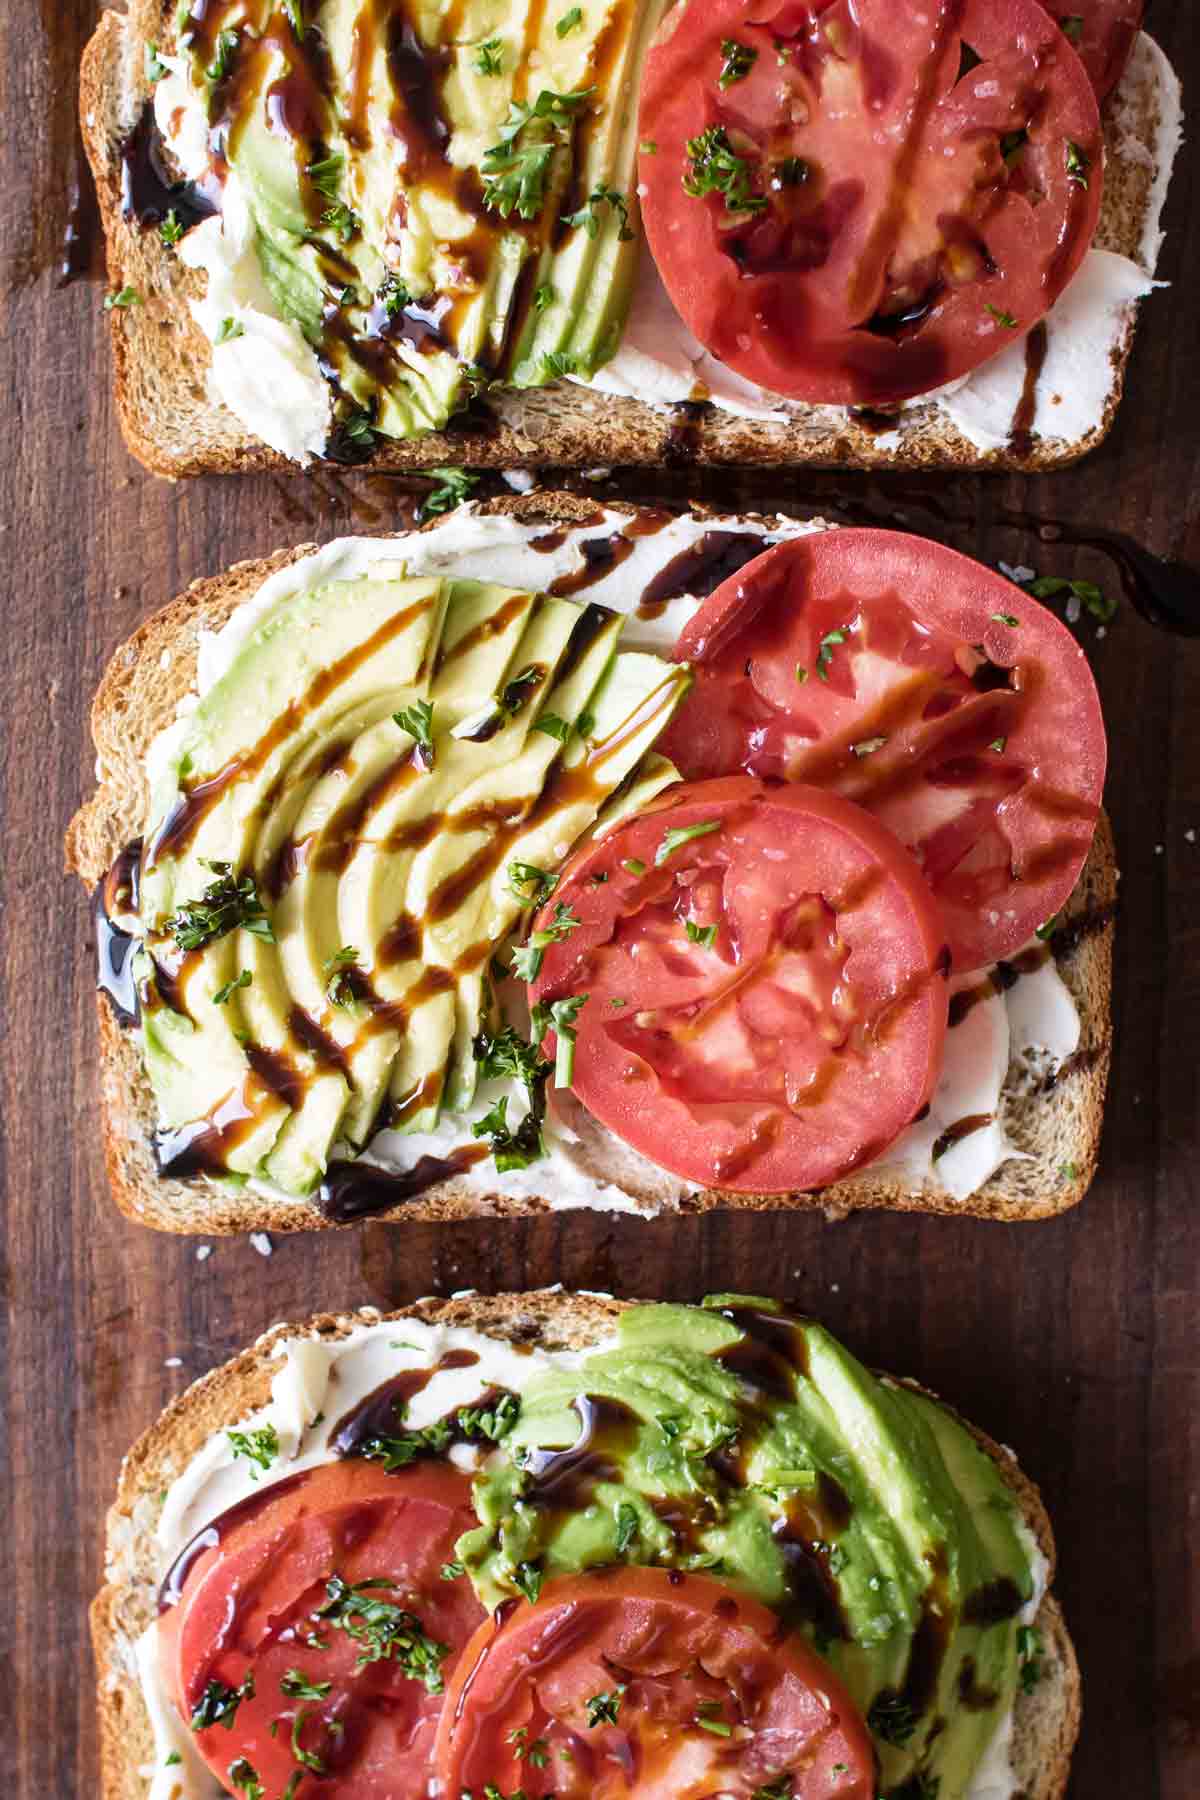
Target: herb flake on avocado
[(628, 1526), (737, 60), (339, 985), (384, 1631), (515, 170), (260, 1447), (529, 884), (218, 1703), (326, 175), (489, 57), (585, 219), (230, 903), (571, 20), (527, 1579), (241, 980), (156, 68), (343, 221), (417, 720), (226, 45)]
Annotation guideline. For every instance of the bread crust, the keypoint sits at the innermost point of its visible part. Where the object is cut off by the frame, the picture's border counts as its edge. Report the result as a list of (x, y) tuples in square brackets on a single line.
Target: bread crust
[(138, 694), (175, 429), (1046, 1722)]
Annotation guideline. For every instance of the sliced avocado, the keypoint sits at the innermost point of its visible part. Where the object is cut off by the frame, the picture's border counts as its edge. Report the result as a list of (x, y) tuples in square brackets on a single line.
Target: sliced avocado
[(317, 669)]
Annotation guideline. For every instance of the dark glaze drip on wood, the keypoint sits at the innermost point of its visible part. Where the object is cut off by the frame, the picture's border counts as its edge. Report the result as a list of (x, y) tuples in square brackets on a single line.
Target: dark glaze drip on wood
[(148, 189), (353, 1191), (82, 236), (700, 569), (211, 1535), (382, 1412), (115, 948)]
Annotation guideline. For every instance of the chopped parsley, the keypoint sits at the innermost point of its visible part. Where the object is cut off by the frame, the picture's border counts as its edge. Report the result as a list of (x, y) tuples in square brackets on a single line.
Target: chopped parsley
[(717, 169), (516, 169), (307, 1759), (170, 1761), (585, 219), (737, 60), (529, 884), (1078, 164), (570, 21), (997, 744), (339, 985), (417, 720), (868, 746), (560, 1017), (126, 296), (557, 363), (1001, 317), (171, 229), (343, 221), (825, 650), (509, 1057), (229, 329), (452, 1570), (296, 1685), (602, 1709), (489, 56), (218, 1704), (226, 44), (527, 1578), (553, 726), (326, 175), (537, 1753), (453, 486), (1102, 606), (634, 865), (701, 934), (513, 1147), (241, 980), (244, 1776), (543, 297), (383, 1631), (230, 903), (1072, 27), (1005, 619), (628, 1526), (801, 673), (527, 960), (1069, 1171), (260, 1447), (708, 1718), (648, 147), (516, 694), (680, 835), (156, 68)]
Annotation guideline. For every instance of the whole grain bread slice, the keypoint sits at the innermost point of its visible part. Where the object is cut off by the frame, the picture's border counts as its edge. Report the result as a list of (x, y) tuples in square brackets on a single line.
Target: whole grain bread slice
[(1055, 1124), (1046, 1721), (175, 428)]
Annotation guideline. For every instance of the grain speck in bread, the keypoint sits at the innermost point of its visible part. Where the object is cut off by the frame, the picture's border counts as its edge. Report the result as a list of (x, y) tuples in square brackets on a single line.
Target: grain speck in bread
[(1058, 1129), (1046, 1721), (175, 428)]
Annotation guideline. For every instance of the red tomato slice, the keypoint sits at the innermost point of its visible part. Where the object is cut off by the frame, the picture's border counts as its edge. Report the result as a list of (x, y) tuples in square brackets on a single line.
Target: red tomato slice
[(894, 191), (1102, 32), (883, 666), (249, 1611), (766, 977), (710, 1697)]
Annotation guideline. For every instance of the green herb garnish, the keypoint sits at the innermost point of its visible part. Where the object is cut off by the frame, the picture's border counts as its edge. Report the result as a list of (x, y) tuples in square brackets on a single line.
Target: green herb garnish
[(230, 903), (602, 1709), (241, 980), (417, 720), (453, 486), (737, 60), (680, 835), (515, 170), (260, 1447), (717, 169), (218, 1704), (585, 219), (384, 1631), (229, 329)]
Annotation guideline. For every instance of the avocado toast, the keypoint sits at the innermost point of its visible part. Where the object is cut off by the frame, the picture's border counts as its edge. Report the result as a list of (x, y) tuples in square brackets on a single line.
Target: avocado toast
[(601, 1442), (1037, 1126), (447, 233)]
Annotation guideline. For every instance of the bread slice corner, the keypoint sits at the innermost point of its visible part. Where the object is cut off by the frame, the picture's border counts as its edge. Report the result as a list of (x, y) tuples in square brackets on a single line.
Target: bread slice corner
[(1046, 1721)]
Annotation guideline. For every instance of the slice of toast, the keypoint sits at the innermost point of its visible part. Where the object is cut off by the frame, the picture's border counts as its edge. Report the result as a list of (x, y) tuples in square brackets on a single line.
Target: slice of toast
[(1056, 1127), (1046, 1721), (174, 427)]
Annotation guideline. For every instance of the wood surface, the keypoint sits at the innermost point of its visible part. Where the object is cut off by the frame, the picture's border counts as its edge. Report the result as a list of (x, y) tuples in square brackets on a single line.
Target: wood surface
[(1075, 1341)]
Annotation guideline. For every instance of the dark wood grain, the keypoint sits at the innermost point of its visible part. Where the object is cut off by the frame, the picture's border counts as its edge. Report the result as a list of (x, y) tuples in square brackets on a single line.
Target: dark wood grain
[(1075, 1341)]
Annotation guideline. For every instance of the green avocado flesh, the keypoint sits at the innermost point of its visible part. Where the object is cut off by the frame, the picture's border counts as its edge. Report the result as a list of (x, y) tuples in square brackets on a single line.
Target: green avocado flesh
[(378, 754), (443, 195), (734, 1440)]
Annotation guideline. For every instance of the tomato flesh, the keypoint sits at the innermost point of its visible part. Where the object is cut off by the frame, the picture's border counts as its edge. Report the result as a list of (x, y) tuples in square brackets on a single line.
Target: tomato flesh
[(893, 195), (883, 666), (249, 1611), (765, 977), (705, 1696), (1103, 34)]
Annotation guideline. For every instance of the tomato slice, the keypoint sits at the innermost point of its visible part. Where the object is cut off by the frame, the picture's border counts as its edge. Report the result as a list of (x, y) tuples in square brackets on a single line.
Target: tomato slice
[(885, 667), (765, 972), (855, 202), (1103, 34), (648, 1684), (251, 1612)]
